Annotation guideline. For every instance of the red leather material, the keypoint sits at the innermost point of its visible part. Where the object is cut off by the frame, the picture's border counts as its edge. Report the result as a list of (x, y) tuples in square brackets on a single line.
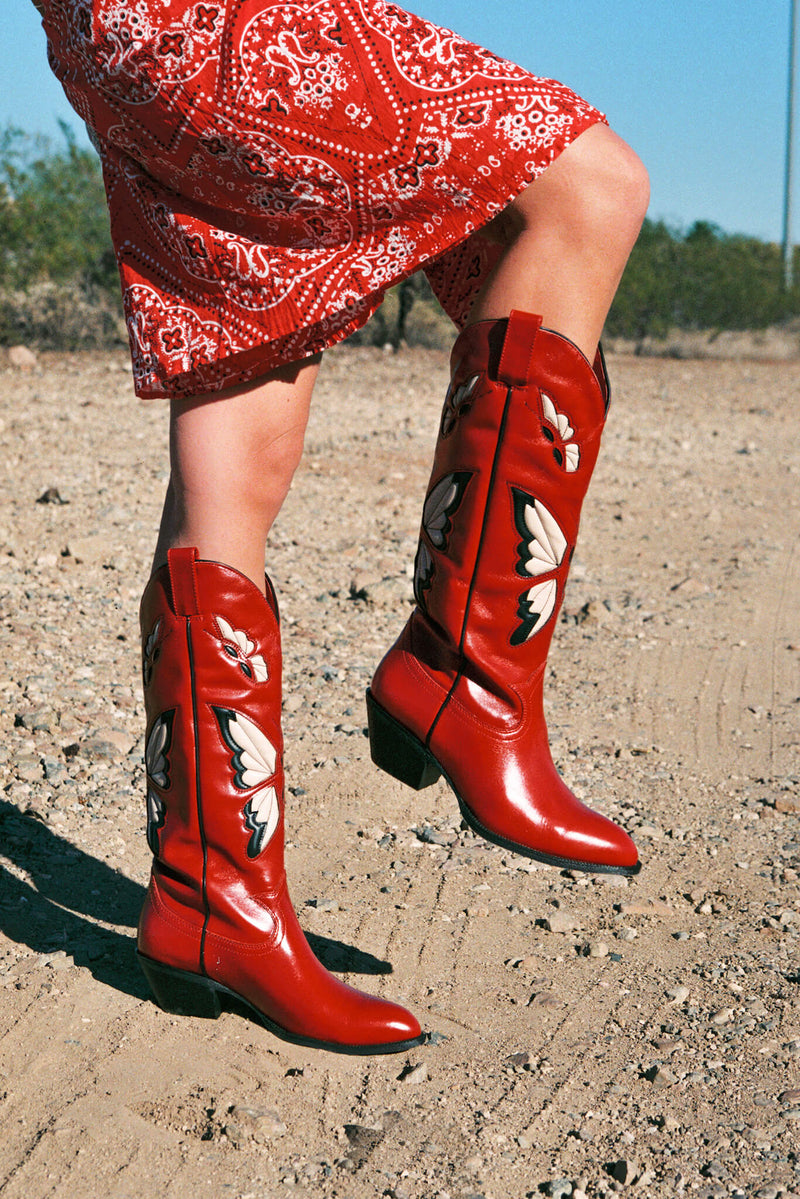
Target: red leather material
[(217, 904), (465, 676), (517, 356)]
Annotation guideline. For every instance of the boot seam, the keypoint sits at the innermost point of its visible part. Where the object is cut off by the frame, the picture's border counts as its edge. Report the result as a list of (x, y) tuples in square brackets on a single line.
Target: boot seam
[(268, 941), (198, 794), (474, 578), (248, 948), (166, 914)]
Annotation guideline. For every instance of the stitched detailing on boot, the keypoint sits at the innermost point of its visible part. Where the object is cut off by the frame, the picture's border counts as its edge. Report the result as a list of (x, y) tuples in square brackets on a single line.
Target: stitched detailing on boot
[(254, 761), (238, 646), (457, 401), (157, 766), (442, 502), (567, 453)]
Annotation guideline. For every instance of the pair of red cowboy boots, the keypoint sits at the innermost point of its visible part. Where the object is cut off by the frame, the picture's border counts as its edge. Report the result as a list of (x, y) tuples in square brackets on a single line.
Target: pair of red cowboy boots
[(459, 695)]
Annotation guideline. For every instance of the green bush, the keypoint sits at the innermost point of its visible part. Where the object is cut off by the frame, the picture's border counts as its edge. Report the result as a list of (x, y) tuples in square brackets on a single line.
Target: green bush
[(703, 279), (53, 216)]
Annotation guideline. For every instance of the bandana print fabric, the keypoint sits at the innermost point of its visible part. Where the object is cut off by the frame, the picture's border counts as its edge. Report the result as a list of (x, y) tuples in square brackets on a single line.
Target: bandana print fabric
[(271, 168)]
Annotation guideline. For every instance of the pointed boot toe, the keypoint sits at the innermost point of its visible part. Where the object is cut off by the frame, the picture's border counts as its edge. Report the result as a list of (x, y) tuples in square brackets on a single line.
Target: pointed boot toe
[(599, 845)]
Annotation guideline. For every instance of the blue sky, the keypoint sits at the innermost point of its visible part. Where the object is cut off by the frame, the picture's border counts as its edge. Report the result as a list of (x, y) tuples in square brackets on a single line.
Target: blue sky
[(698, 88)]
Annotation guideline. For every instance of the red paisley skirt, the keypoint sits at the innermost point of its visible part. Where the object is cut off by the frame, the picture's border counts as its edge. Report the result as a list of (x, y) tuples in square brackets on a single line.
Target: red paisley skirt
[(271, 168)]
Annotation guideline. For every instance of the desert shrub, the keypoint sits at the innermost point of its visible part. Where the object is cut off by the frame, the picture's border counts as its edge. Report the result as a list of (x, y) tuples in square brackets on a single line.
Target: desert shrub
[(60, 316), (701, 279), (53, 216)]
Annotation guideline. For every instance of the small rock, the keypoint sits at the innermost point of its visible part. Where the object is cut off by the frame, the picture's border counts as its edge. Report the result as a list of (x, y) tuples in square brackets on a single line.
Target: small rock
[(383, 593), (689, 587), (522, 1060), (527, 1138), (790, 1096), (793, 1115), (767, 1192), (760, 1138), (597, 949), (678, 994), (592, 612), (28, 767), (414, 1074), (623, 1171), (53, 769), (650, 907), (531, 965), (363, 1139), (107, 743), (661, 1076), (561, 922), (545, 999), (788, 804), (432, 836), (21, 358), (42, 720), (561, 1188), (722, 1016), (51, 496), (58, 960), (254, 1124), (666, 1044)]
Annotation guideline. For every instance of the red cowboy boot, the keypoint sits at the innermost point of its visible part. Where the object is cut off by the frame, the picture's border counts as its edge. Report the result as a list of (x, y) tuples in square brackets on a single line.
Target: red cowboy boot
[(460, 692), (218, 921)]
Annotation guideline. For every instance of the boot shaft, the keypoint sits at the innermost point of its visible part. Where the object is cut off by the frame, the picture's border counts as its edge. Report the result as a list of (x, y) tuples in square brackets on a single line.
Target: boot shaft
[(212, 687), (519, 438)]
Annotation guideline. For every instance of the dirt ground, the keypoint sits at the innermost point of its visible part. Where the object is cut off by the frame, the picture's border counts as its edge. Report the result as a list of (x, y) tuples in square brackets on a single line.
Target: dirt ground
[(653, 1047)]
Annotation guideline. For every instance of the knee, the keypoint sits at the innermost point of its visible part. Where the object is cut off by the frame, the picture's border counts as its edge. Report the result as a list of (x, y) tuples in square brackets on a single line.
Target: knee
[(597, 190), (619, 185)]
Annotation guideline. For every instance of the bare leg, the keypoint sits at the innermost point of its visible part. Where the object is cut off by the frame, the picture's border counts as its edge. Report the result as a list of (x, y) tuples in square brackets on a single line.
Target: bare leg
[(568, 237), (233, 455)]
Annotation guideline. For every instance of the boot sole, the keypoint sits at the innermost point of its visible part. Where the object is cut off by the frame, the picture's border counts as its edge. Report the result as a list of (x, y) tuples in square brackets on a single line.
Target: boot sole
[(183, 993), (401, 754)]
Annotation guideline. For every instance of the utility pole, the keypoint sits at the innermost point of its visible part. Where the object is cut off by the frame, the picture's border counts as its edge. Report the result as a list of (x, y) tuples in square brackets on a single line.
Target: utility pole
[(788, 248)]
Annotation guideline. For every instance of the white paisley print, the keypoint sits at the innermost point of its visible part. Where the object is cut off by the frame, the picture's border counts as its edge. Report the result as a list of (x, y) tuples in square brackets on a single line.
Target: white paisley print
[(273, 167)]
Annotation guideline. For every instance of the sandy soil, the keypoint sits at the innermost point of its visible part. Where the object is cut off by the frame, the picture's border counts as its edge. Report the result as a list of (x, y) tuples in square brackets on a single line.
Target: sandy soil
[(652, 1047)]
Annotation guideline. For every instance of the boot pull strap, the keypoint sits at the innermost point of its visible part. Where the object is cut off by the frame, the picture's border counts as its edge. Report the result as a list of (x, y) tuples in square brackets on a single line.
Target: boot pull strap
[(183, 581), (518, 343)]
